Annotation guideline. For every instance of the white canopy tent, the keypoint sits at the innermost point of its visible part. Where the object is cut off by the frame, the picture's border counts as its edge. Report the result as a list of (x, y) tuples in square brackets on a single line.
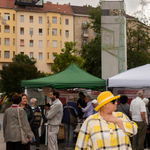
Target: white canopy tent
[(138, 77)]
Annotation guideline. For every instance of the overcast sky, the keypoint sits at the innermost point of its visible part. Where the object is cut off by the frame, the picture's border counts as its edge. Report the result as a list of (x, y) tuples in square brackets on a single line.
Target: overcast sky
[(131, 5)]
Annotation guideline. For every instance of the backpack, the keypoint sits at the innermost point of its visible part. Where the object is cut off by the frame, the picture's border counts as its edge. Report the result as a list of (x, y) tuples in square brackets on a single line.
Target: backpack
[(37, 116)]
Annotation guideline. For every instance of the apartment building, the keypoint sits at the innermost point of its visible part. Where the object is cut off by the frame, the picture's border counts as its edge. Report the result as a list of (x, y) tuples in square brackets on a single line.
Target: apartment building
[(82, 34), (36, 32)]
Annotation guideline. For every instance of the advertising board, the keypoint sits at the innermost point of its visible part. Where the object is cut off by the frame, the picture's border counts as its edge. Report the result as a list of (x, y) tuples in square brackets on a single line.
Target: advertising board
[(33, 3)]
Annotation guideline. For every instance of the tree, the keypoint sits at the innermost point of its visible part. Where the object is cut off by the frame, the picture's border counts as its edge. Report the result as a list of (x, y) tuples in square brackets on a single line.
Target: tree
[(17, 71), (91, 52), (138, 43), (63, 60), (21, 58)]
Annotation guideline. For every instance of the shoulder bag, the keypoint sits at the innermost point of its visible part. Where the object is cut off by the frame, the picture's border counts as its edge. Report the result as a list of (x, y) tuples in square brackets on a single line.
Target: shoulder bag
[(73, 119), (24, 137)]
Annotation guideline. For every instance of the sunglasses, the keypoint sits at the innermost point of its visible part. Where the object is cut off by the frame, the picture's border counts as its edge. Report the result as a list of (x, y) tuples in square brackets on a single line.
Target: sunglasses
[(114, 101)]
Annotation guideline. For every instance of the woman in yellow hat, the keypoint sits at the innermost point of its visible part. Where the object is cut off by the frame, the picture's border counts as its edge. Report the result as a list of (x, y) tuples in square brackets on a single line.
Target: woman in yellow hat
[(106, 130)]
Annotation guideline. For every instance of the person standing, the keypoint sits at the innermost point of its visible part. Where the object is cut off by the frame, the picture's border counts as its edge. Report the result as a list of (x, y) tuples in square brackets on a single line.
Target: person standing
[(54, 117), (137, 112), (37, 121), (82, 103), (11, 128), (124, 107), (94, 104), (106, 130), (69, 129), (88, 110), (29, 113)]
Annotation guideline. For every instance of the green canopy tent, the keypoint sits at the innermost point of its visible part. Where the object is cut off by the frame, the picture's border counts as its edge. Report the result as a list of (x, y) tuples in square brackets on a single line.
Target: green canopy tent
[(71, 77)]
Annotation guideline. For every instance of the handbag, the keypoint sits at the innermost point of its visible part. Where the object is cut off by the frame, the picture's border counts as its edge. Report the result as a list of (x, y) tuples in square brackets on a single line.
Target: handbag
[(73, 119), (61, 133), (24, 137)]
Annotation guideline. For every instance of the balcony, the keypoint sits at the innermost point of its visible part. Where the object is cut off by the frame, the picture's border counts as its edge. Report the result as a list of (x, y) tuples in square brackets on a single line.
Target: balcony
[(85, 35)]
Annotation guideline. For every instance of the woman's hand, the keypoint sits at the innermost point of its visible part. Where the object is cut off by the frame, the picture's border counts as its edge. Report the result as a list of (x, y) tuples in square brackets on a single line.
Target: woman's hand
[(30, 139), (79, 106)]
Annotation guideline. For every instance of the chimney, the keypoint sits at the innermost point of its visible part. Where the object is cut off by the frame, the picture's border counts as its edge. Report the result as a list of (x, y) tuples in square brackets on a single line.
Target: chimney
[(69, 3), (49, 2)]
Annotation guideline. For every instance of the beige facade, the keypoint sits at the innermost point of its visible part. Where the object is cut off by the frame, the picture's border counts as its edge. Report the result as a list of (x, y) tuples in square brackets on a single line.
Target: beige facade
[(82, 34)]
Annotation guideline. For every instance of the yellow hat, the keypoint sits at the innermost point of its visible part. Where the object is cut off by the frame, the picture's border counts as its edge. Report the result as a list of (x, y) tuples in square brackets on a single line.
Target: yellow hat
[(104, 98)]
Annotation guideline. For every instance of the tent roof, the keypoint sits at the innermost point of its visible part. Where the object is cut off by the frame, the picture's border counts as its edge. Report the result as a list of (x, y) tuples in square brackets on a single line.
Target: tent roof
[(137, 77), (71, 77)]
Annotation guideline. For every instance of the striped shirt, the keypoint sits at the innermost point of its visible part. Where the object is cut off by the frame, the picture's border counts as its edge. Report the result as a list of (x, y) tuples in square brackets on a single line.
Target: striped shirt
[(97, 134)]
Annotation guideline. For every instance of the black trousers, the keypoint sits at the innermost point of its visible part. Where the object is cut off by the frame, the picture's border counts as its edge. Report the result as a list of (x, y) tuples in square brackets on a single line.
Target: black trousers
[(14, 146), (35, 130)]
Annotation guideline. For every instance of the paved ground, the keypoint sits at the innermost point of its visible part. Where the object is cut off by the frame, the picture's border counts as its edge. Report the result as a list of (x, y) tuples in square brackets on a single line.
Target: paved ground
[(42, 146)]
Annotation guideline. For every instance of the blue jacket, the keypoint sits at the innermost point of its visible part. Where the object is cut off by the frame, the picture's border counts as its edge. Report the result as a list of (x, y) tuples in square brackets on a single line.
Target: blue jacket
[(73, 109)]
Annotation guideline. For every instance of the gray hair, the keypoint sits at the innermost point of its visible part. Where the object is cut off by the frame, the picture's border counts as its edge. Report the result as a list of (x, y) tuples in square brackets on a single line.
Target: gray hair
[(70, 98), (140, 93), (33, 100)]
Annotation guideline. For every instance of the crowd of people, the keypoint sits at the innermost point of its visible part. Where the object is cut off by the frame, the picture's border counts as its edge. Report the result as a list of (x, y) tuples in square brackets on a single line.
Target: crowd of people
[(105, 125)]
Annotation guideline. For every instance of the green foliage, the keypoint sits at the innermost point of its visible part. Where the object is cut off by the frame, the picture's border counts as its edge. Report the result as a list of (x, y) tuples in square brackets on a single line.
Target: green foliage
[(138, 44), (91, 52), (63, 60), (95, 18), (13, 74), (21, 58)]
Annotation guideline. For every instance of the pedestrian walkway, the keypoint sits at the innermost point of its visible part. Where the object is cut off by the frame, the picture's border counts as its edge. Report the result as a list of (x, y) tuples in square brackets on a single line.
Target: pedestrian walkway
[(42, 146)]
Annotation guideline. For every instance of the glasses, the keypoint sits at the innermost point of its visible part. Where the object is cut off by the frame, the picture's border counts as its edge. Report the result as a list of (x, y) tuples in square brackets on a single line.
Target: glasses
[(114, 101)]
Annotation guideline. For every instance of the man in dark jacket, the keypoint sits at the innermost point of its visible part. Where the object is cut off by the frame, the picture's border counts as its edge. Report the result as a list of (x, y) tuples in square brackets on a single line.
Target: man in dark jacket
[(69, 129)]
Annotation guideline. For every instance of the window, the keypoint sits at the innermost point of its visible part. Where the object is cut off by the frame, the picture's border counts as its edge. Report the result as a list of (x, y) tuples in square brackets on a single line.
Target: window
[(31, 54), (7, 41), (60, 44), (14, 42), (40, 19), (54, 43), (13, 29), (0, 54), (47, 43), (21, 42), (47, 31), (6, 54), (0, 41), (13, 54), (7, 29), (67, 33), (60, 32), (40, 31), (54, 19), (21, 30), (53, 57), (31, 19), (40, 55), (54, 31), (13, 17), (0, 28), (84, 41), (22, 53), (84, 31), (48, 55), (31, 43), (95, 33), (31, 31), (47, 19), (67, 21), (21, 18), (60, 20), (40, 43), (7, 16)]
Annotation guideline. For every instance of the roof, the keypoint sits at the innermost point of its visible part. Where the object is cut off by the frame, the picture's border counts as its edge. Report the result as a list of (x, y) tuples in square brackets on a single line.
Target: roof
[(134, 78), (47, 7), (80, 9), (71, 77)]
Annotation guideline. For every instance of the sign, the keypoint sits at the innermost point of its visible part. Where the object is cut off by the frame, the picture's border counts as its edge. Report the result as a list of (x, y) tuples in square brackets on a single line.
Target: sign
[(46, 90), (112, 12), (33, 3)]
